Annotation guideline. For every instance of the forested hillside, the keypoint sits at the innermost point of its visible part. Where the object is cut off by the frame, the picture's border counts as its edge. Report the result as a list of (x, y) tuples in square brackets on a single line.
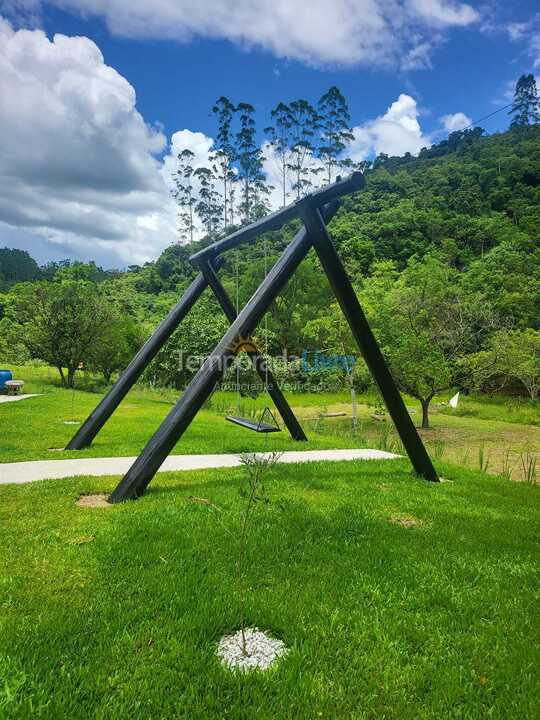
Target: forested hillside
[(443, 250)]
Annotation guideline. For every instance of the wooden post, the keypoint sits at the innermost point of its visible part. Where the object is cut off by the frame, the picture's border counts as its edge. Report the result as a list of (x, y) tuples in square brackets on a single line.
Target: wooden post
[(134, 483), (367, 343), (98, 417)]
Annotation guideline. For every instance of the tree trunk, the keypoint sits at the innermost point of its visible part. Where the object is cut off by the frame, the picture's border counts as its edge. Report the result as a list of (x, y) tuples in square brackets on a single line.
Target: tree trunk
[(425, 412), (225, 219), (62, 376), (71, 377)]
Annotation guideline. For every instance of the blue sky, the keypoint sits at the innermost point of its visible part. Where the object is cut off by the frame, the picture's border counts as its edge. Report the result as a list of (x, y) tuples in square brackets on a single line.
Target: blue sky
[(83, 164), (176, 83)]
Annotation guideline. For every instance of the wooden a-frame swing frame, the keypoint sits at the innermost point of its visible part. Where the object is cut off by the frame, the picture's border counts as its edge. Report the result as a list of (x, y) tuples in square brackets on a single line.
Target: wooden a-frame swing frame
[(315, 210)]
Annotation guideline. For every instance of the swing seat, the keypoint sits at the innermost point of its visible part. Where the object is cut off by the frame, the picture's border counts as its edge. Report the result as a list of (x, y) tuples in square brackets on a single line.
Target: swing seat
[(255, 425)]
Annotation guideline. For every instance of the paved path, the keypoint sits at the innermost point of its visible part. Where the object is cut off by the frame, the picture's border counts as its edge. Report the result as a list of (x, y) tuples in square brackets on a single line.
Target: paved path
[(15, 398), (26, 472)]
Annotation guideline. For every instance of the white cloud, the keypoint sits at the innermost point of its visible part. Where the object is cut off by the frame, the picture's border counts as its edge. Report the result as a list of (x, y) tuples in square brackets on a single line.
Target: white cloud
[(517, 30), (439, 12), (419, 56), (199, 144), (528, 33), (78, 166), (534, 49), (23, 12), (319, 32), (77, 160), (456, 121), (394, 133)]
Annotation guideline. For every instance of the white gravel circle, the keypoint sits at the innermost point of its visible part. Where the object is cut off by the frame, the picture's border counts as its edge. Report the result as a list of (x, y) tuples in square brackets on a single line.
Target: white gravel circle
[(262, 650)]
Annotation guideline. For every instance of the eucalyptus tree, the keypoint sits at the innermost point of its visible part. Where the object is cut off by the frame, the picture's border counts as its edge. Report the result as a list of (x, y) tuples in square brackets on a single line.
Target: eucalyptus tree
[(526, 106), (250, 166), (209, 206), (334, 129), (279, 137), (223, 171), (184, 194), (303, 118), (224, 156)]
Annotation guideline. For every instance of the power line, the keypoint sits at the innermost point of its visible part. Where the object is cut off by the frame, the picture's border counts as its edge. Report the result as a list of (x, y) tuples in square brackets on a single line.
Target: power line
[(486, 117), (474, 122)]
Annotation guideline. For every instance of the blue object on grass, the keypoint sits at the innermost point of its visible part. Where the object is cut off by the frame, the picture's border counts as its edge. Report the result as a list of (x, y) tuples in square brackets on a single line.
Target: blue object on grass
[(4, 376)]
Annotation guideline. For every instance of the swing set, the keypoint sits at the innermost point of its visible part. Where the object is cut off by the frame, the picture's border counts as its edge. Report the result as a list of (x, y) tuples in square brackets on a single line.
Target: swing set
[(247, 346), (314, 210)]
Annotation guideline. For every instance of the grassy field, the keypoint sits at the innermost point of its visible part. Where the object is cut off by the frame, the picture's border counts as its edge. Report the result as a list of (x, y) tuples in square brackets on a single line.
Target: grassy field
[(397, 598), (40, 427), (115, 612), (496, 434)]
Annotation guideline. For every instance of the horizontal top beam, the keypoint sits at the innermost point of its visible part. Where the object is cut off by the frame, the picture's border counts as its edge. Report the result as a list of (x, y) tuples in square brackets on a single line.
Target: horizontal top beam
[(276, 219)]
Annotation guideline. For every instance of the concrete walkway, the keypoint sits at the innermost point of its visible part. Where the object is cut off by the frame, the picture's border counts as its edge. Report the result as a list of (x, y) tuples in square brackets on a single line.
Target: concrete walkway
[(26, 472), (16, 398)]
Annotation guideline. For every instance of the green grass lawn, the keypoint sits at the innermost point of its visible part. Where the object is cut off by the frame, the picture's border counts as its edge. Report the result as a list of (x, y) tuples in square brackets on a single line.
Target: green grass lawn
[(115, 613), (520, 410), (35, 429)]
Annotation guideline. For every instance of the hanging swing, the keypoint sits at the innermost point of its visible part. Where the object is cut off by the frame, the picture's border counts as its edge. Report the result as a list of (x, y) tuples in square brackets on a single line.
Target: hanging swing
[(259, 425)]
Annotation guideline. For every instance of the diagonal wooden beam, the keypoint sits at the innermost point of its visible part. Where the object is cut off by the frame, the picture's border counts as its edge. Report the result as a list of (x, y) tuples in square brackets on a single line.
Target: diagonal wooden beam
[(320, 198), (136, 480), (99, 416), (367, 343)]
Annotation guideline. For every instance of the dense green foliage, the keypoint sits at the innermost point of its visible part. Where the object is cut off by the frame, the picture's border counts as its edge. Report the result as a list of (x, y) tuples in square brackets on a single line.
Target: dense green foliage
[(450, 239), (69, 324), (16, 266)]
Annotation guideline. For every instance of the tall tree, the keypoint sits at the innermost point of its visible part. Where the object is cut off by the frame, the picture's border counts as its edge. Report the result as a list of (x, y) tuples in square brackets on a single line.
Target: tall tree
[(334, 128), (526, 106), (223, 171), (224, 156), (303, 128), (279, 135), (250, 161), (183, 193), (208, 206)]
